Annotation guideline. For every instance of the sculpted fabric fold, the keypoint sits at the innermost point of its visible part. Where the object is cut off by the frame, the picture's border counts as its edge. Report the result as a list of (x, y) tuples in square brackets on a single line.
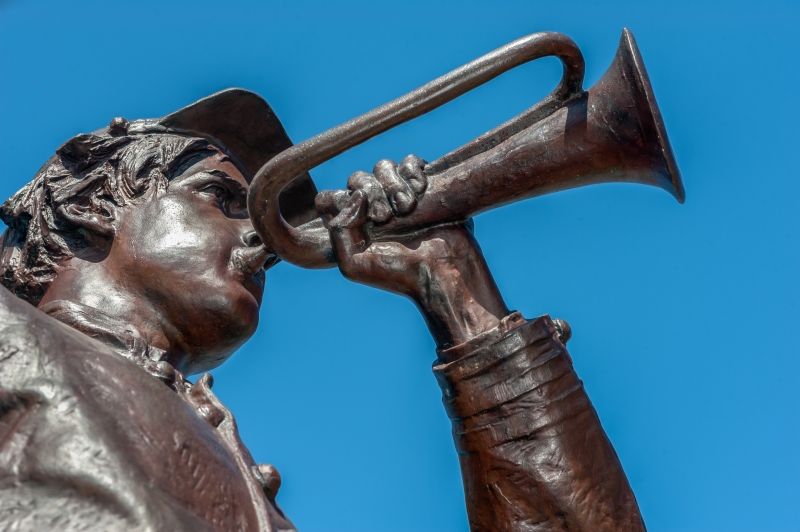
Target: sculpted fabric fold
[(533, 454)]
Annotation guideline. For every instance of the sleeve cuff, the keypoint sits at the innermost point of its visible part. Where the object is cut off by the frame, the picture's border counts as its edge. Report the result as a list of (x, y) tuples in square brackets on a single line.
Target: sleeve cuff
[(451, 354), (509, 382)]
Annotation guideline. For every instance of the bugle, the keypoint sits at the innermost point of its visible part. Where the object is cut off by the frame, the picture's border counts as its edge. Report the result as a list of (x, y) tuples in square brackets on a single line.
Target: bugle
[(612, 132)]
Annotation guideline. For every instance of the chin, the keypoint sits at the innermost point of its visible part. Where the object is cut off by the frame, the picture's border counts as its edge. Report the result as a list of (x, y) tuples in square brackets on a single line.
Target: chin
[(246, 306), (228, 322)]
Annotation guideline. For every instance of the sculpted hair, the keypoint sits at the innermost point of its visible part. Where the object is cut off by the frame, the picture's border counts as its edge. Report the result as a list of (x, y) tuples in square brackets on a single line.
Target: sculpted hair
[(85, 169)]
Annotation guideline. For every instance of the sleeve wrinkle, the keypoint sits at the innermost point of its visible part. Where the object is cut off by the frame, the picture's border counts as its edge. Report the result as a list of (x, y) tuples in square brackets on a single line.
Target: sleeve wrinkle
[(533, 454)]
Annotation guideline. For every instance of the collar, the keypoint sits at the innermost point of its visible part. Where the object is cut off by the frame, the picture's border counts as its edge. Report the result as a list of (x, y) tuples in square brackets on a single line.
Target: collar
[(121, 337)]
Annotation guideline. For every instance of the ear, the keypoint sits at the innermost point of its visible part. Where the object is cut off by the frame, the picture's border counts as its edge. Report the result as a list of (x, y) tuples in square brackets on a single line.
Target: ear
[(95, 219)]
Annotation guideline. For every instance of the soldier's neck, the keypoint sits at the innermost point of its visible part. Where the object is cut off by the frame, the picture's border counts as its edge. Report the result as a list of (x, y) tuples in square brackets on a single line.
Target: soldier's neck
[(89, 284)]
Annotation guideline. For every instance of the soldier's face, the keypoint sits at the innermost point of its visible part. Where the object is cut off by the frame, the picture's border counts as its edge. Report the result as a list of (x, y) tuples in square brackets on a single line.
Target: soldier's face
[(189, 252)]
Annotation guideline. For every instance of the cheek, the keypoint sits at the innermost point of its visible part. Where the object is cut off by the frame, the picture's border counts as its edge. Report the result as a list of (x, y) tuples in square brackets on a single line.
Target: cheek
[(181, 237)]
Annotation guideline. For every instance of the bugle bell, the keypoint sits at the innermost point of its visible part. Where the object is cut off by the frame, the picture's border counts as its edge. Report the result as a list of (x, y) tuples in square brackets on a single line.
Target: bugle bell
[(612, 132)]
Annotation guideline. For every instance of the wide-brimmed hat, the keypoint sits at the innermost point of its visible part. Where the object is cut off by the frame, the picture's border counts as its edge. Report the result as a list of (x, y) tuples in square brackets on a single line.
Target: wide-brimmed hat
[(244, 124)]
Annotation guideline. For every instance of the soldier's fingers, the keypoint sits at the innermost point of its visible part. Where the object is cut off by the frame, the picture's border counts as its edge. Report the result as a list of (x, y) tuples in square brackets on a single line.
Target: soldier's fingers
[(412, 169), (330, 202), (347, 229), (401, 197), (378, 208)]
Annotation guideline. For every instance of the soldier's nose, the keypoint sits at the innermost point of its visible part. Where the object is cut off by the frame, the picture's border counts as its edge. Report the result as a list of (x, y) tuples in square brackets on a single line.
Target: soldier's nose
[(251, 239)]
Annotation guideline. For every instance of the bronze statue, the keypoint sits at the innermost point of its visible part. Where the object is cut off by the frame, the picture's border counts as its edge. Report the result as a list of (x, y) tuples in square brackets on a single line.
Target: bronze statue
[(135, 263)]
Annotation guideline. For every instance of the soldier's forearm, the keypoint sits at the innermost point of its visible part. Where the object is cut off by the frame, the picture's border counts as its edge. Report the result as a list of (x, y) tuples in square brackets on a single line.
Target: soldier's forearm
[(459, 299), (533, 453)]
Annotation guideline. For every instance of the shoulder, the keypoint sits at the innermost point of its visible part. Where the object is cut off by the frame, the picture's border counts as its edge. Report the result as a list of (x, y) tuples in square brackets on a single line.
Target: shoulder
[(32, 343), (65, 452)]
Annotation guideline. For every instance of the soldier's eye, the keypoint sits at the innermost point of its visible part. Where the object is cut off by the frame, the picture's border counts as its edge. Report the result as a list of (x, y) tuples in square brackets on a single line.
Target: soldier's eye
[(215, 190), (219, 192), (232, 204)]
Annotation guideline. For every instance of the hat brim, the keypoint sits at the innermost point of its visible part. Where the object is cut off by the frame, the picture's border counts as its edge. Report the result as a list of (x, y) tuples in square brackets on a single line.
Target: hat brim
[(244, 123)]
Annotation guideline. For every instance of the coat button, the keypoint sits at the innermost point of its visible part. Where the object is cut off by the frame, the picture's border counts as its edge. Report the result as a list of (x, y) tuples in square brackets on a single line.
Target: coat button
[(563, 330), (165, 372), (270, 480)]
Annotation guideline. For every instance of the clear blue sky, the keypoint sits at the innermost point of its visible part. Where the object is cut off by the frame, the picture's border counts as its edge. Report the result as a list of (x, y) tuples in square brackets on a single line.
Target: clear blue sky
[(684, 317)]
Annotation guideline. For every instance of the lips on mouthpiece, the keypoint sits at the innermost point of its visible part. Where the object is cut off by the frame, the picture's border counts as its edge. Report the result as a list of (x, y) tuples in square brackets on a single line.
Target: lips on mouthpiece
[(249, 260)]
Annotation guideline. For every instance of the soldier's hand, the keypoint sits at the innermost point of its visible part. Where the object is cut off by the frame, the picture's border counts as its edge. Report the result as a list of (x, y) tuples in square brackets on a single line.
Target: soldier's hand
[(441, 268)]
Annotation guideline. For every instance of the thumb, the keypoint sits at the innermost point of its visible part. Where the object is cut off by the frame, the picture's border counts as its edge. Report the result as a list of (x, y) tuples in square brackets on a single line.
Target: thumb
[(330, 202), (347, 228)]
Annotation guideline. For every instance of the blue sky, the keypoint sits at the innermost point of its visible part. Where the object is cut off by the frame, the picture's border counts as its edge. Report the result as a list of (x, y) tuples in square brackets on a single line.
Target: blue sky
[(683, 316)]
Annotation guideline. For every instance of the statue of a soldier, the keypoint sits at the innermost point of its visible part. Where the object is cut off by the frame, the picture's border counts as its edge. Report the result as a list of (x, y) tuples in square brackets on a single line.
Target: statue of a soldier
[(130, 262)]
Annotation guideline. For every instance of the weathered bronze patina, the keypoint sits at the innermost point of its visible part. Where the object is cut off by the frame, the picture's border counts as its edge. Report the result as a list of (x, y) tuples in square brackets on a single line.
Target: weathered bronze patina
[(131, 261)]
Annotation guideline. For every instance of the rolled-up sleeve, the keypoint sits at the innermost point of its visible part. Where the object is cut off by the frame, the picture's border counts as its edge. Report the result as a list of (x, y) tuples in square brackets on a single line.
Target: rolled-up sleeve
[(533, 454)]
